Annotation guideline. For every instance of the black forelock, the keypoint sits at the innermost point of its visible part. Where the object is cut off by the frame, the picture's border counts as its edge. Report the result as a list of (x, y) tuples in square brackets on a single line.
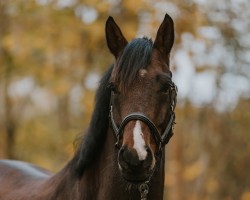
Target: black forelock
[(135, 56)]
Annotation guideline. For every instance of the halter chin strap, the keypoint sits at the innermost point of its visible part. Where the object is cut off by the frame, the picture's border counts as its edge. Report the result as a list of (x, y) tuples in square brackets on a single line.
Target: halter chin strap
[(160, 139)]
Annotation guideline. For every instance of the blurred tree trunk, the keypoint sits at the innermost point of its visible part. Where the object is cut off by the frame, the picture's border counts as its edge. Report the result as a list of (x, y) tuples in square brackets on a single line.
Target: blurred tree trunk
[(9, 122)]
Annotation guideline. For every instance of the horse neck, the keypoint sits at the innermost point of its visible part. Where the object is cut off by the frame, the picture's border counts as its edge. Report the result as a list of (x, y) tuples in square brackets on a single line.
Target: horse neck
[(61, 186), (102, 180), (96, 181)]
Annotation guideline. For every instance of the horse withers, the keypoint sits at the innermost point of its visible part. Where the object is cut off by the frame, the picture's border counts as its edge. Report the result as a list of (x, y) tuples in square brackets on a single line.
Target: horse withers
[(121, 156)]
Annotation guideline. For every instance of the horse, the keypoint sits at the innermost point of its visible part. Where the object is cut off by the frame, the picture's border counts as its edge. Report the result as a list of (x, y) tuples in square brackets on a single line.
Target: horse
[(121, 156)]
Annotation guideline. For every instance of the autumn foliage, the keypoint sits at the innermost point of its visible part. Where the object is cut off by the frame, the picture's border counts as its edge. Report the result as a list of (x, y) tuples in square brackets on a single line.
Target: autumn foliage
[(53, 52)]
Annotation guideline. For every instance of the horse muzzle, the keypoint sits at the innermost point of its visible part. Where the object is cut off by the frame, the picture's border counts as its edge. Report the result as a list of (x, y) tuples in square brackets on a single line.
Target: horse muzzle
[(132, 167)]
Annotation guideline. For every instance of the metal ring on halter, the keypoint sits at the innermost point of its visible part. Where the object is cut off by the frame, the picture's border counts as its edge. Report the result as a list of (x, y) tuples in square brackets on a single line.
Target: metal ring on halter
[(144, 189)]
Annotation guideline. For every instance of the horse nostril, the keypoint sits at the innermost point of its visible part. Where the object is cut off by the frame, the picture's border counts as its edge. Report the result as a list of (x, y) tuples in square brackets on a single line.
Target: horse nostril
[(123, 158), (130, 159)]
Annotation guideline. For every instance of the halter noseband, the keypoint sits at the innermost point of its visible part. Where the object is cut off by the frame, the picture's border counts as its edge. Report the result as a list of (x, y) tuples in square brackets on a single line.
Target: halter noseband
[(160, 139)]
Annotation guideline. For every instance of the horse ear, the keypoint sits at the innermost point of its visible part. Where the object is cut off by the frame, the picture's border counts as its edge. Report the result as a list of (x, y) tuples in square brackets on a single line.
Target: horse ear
[(115, 39), (165, 36)]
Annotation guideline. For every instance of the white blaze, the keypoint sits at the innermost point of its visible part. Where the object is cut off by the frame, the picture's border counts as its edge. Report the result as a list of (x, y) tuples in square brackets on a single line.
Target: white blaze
[(139, 142), (143, 72)]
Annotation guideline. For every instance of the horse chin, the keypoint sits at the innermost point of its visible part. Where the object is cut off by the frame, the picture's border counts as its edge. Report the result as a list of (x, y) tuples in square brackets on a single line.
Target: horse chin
[(135, 178)]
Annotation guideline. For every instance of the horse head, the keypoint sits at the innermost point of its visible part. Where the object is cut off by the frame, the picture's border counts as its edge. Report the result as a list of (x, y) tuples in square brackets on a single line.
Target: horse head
[(143, 98)]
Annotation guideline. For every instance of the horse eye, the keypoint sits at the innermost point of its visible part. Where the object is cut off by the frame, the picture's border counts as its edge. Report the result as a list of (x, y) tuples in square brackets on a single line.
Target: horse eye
[(164, 89)]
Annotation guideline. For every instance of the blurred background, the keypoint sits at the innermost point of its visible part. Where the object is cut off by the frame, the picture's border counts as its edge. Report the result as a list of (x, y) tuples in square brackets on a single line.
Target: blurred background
[(53, 53)]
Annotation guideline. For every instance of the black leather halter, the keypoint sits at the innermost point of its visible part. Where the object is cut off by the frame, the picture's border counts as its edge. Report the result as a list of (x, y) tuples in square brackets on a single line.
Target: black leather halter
[(160, 139)]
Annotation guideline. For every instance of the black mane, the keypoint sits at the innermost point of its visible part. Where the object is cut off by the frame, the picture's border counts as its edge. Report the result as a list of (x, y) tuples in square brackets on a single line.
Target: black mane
[(94, 138), (135, 56)]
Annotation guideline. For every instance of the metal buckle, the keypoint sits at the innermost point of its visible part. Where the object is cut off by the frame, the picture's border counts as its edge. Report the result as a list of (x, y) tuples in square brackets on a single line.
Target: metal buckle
[(144, 189)]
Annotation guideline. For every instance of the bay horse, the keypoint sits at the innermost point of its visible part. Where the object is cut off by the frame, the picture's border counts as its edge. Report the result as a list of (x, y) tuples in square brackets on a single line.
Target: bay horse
[(121, 156)]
